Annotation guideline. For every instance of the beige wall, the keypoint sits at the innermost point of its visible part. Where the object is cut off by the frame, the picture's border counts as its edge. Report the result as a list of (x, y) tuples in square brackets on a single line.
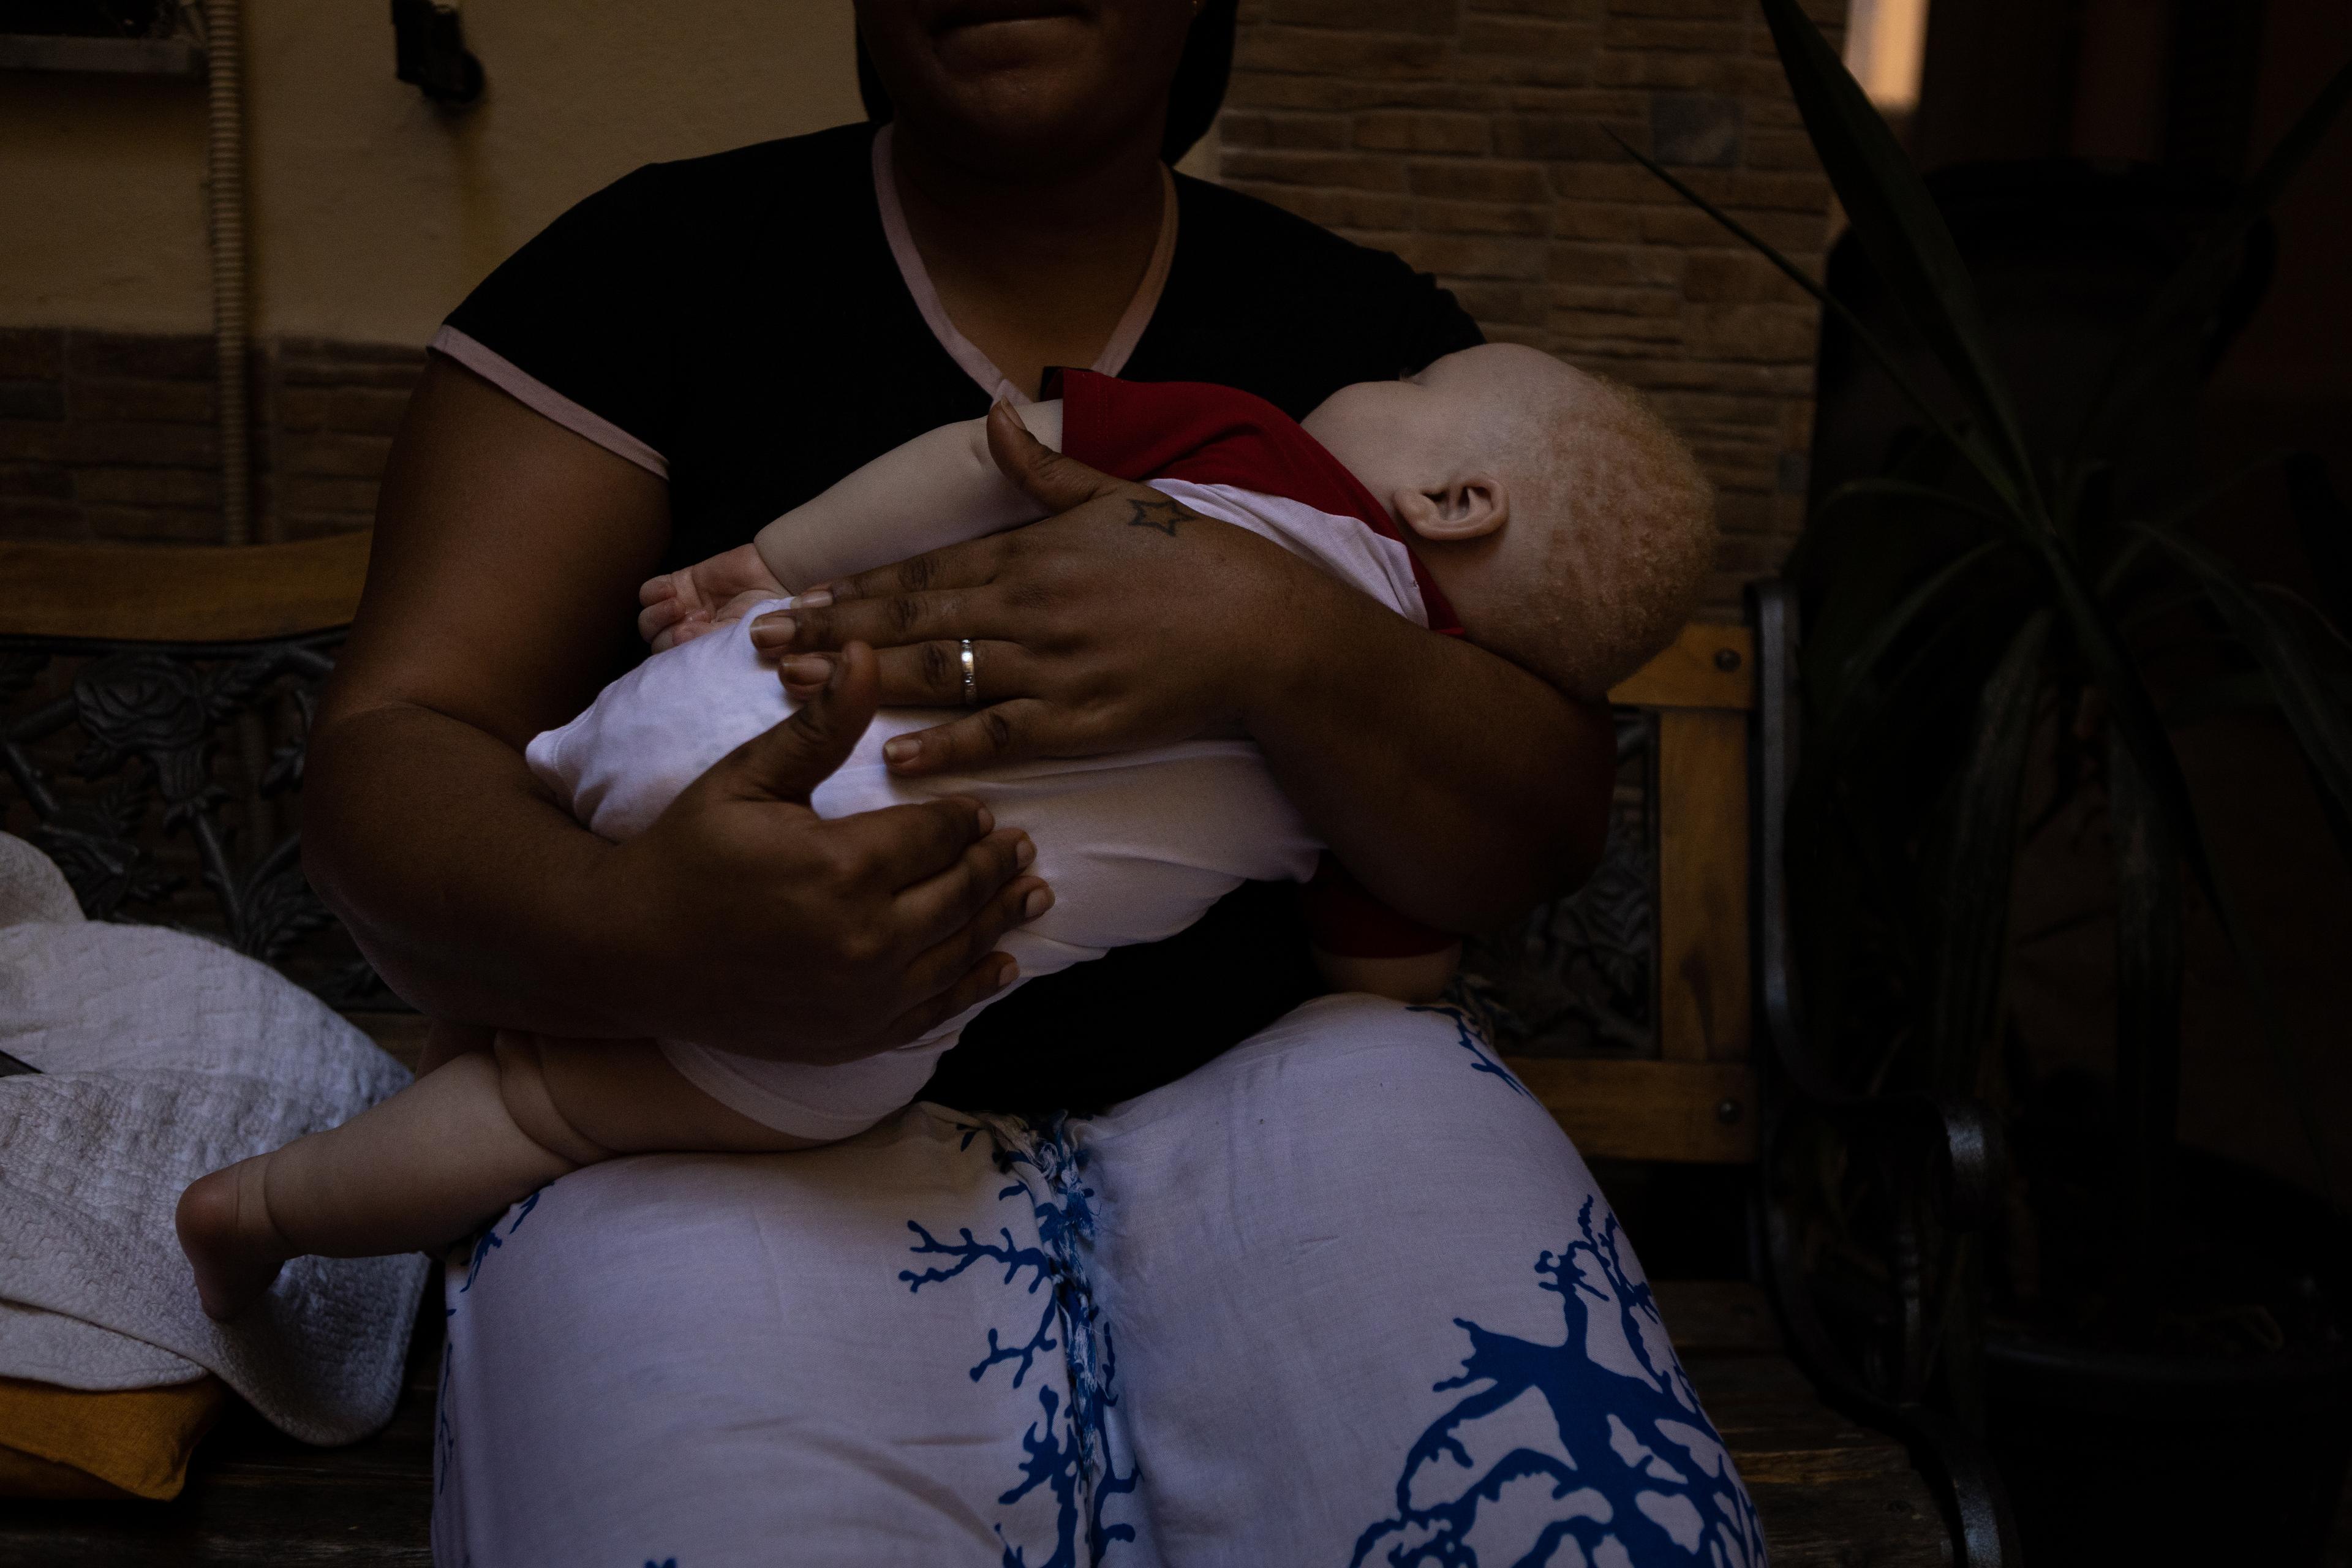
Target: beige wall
[(372, 213)]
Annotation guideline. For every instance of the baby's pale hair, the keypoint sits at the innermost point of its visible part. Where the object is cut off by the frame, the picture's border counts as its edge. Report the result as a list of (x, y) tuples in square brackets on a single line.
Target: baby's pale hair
[(1631, 520)]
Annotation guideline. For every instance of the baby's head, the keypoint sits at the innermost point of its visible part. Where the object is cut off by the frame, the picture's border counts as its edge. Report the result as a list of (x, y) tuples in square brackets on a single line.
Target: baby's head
[(1567, 524)]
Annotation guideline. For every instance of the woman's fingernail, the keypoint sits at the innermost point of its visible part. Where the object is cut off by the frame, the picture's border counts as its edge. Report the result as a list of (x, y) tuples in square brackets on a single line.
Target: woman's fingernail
[(840, 673), (815, 599), (1006, 974), (1024, 854), (1037, 903), (985, 820), (774, 631), (901, 750), (805, 669)]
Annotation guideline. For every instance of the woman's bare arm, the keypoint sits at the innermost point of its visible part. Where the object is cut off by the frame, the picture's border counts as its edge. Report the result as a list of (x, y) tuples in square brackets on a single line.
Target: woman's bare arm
[(506, 556), (1456, 786)]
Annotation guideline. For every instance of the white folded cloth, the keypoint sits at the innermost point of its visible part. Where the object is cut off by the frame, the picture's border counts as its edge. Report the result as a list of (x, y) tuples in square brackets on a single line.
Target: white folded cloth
[(161, 1056)]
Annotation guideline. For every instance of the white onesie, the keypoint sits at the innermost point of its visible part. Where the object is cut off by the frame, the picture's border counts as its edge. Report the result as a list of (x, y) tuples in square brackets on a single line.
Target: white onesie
[(1136, 846)]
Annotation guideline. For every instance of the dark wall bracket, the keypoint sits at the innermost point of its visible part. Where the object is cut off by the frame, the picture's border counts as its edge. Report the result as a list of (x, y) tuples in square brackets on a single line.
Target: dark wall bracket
[(431, 54)]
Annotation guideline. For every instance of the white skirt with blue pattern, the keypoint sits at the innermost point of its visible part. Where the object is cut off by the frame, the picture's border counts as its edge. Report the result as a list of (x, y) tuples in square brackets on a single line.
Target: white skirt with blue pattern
[(1345, 1295)]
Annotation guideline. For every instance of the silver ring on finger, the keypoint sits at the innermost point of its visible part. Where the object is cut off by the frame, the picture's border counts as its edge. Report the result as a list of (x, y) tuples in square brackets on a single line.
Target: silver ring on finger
[(971, 675)]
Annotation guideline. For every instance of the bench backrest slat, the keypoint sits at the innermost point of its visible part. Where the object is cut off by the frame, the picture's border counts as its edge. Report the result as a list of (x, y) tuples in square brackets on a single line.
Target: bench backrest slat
[(1695, 1102), (179, 593)]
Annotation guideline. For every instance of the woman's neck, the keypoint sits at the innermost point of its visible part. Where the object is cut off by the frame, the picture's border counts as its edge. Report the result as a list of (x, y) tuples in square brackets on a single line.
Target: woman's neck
[(1034, 273)]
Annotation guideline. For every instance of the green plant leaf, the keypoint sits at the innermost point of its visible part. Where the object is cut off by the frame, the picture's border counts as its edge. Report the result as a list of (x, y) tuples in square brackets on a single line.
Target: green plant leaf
[(1877, 717), (1905, 237), (2313, 708), (1885, 489), (2133, 715), (2135, 542), (1858, 666), (1965, 441), (2157, 335), (1968, 895)]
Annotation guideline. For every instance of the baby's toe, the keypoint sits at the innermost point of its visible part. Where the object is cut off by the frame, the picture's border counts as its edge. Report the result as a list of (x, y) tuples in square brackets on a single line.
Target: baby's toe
[(233, 1268)]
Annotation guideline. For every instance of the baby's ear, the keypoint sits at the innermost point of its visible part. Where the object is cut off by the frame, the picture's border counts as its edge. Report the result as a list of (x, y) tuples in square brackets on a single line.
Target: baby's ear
[(1471, 507)]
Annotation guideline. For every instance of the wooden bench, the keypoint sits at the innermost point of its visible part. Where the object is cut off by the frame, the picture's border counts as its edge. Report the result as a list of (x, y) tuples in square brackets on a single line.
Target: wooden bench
[(194, 668)]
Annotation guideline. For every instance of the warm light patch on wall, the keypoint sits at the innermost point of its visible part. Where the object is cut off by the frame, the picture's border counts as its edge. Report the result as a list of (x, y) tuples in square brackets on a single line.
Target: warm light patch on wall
[(1884, 42)]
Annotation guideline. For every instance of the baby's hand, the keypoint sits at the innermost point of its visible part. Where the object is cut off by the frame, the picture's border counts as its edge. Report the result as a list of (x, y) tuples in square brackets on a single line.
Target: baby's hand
[(681, 605)]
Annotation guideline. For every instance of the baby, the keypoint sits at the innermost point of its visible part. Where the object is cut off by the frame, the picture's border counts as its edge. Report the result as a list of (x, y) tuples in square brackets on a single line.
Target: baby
[(1569, 528)]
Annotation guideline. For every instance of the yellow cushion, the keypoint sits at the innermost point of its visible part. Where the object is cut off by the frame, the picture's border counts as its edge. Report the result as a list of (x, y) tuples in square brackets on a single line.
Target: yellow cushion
[(68, 1442)]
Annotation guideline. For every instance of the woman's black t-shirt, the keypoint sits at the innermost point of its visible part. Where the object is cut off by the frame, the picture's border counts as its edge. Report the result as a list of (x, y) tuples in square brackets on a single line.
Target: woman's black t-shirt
[(739, 323)]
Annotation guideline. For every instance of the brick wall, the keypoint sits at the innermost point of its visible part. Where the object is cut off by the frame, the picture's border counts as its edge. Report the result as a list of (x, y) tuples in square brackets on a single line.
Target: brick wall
[(115, 437), (1471, 138)]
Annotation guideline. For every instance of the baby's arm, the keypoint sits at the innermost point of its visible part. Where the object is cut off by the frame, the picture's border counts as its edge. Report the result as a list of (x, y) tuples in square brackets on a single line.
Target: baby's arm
[(680, 605), (416, 1172), (941, 487)]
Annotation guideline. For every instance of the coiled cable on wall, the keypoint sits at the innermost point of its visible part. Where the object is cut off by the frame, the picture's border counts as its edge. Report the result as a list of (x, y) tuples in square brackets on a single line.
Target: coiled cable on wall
[(224, 209)]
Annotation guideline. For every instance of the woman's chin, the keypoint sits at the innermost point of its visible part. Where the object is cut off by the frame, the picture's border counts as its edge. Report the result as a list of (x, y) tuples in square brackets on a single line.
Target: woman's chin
[(1052, 43), (1023, 122)]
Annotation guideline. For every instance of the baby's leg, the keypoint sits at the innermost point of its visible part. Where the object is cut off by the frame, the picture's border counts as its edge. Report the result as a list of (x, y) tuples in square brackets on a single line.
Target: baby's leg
[(457, 1145), (445, 1041)]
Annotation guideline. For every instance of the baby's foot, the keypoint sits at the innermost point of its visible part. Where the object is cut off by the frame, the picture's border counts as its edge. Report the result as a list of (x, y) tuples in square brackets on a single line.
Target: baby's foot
[(224, 1230)]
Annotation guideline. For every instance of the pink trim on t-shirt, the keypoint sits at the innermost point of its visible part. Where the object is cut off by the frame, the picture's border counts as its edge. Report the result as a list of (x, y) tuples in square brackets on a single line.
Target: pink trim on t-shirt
[(532, 392), (963, 350)]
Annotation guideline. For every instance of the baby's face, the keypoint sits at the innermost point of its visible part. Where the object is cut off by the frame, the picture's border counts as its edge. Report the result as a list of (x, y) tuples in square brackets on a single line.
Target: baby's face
[(1427, 432), (1374, 416)]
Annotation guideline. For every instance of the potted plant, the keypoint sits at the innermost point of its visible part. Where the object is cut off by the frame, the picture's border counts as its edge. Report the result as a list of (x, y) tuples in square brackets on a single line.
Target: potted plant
[(1984, 605)]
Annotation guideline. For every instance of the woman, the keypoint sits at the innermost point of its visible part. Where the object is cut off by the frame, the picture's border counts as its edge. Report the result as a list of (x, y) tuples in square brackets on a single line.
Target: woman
[(1208, 1323)]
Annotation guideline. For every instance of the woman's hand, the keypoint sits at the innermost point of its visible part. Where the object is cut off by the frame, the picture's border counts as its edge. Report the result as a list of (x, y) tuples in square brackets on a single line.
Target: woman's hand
[(1456, 786), (890, 915), (1128, 620), (738, 918)]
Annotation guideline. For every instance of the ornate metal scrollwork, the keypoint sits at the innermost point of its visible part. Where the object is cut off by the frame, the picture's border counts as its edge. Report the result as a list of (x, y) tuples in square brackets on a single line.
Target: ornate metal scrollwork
[(189, 757), (1578, 975)]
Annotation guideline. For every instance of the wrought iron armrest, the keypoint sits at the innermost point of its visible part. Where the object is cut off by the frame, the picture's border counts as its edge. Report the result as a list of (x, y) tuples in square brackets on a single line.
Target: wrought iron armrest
[(1955, 1147), (1959, 1142), (1960, 1139)]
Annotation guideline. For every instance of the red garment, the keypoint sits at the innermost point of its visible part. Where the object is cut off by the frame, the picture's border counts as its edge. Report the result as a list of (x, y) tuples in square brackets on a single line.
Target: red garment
[(1208, 435)]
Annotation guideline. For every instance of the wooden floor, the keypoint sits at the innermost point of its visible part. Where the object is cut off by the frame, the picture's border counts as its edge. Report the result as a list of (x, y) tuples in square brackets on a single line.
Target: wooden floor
[(1830, 1493)]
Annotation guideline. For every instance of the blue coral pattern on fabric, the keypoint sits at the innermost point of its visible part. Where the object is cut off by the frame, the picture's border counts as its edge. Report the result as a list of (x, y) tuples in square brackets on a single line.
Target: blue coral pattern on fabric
[(1590, 1451), (445, 1440), (1068, 1448), (1469, 1039)]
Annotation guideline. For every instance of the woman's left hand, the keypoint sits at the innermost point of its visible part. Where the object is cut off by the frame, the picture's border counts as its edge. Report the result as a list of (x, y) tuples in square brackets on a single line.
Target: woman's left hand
[(1125, 620), (1128, 620)]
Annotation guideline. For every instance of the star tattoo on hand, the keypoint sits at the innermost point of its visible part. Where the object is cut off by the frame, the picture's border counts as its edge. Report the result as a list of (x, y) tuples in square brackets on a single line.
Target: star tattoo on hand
[(1160, 515)]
